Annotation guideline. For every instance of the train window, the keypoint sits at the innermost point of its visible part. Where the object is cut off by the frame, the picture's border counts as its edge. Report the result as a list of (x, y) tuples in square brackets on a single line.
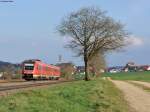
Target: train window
[(29, 67), (47, 68), (39, 67)]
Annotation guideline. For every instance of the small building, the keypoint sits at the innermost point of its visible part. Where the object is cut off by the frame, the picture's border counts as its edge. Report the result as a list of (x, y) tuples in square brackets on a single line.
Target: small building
[(131, 66), (145, 67), (115, 69), (80, 69)]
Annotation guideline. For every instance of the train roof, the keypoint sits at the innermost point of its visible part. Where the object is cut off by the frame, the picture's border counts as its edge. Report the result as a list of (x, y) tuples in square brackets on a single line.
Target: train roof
[(45, 64), (31, 60), (41, 63)]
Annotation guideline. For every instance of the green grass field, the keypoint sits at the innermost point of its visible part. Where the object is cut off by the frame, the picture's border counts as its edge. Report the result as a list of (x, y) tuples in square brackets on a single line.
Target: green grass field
[(139, 76), (92, 96)]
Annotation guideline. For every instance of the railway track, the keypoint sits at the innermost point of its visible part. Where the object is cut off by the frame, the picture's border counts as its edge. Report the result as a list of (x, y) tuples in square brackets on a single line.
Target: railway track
[(12, 81), (34, 84)]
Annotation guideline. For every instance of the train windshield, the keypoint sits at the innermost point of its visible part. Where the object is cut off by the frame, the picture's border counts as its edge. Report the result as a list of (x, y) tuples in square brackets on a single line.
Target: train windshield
[(29, 66)]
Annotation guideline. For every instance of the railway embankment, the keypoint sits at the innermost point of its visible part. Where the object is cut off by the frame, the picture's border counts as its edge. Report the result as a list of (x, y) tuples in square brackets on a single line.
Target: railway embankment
[(78, 96)]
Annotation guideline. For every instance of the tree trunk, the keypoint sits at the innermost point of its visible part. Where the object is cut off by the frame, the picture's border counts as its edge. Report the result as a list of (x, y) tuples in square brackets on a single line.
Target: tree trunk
[(86, 68)]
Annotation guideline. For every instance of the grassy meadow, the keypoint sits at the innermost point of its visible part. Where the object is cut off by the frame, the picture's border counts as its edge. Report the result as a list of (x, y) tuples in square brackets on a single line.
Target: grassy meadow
[(139, 76), (80, 96)]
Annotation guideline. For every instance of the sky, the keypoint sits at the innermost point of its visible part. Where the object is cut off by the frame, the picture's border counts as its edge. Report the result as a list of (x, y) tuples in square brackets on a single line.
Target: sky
[(28, 29)]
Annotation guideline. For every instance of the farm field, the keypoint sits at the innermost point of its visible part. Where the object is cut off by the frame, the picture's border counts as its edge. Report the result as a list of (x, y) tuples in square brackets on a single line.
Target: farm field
[(138, 76), (92, 96)]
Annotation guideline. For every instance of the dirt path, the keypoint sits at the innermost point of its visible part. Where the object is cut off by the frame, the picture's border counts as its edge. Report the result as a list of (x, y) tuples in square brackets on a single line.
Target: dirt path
[(146, 84), (138, 99)]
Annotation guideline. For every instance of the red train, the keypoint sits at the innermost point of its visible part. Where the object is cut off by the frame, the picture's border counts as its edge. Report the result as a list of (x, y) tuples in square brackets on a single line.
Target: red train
[(37, 70)]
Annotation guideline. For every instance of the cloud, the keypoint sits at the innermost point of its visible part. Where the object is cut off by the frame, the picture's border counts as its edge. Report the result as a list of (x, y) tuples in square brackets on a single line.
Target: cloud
[(135, 41)]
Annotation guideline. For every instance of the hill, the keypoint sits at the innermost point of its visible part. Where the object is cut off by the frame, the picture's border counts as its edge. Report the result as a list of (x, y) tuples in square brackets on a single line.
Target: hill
[(2, 63), (4, 66), (9, 70)]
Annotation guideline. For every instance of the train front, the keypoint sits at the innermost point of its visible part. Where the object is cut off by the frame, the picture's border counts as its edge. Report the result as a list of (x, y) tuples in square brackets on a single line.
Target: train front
[(28, 69)]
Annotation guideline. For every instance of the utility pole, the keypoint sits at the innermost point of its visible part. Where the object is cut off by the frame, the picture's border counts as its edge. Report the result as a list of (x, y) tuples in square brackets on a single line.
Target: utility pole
[(60, 58)]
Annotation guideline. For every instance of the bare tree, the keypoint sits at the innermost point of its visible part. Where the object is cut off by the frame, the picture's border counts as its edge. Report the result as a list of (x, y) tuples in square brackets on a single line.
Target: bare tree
[(67, 70), (7, 72), (91, 31), (97, 64)]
